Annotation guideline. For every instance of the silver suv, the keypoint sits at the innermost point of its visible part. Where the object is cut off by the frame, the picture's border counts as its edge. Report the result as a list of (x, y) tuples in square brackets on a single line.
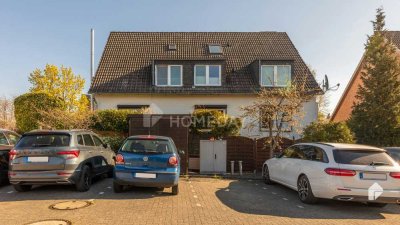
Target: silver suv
[(59, 157)]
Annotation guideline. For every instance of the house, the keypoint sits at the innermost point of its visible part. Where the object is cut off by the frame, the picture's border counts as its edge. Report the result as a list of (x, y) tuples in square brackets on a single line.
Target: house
[(344, 107), (179, 72)]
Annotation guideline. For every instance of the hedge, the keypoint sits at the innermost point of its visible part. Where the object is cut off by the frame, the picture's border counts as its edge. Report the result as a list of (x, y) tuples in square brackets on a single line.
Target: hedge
[(112, 120), (27, 107), (337, 132)]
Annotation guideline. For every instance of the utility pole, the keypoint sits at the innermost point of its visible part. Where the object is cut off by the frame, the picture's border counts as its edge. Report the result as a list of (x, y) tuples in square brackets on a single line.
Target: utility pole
[(91, 66)]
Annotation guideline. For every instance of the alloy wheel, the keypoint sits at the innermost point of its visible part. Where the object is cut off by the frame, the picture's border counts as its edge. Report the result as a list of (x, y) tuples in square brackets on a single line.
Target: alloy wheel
[(303, 188), (87, 180), (266, 173)]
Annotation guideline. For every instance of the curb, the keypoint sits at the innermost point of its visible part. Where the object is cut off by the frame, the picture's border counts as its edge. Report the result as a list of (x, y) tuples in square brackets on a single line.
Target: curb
[(250, 176)]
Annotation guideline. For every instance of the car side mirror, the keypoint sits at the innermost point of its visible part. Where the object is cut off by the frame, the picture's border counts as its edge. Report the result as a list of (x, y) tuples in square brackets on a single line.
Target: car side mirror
[(181, 152), (277, 155), (105, 145)]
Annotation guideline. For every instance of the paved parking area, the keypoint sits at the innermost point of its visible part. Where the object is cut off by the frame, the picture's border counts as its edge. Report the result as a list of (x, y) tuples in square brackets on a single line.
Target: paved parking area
[(201, 201)]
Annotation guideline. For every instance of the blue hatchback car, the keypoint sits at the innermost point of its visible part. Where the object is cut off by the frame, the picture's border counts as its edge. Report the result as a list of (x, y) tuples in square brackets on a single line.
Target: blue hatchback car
[(147, 161)]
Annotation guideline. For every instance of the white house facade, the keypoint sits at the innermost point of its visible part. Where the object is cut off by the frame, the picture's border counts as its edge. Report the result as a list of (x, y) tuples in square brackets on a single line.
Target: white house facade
[(179, 72)]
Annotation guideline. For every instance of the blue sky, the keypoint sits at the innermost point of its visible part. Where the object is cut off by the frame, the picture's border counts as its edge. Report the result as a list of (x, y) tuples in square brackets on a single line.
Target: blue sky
[(329, 34)]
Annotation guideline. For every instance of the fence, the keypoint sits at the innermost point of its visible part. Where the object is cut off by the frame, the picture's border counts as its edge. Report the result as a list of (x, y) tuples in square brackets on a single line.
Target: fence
[(164, 125), (252, 152)]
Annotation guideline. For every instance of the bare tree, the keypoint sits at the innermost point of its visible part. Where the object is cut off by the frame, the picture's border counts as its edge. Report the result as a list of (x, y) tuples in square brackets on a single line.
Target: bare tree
[(7, 120), (277, 108)]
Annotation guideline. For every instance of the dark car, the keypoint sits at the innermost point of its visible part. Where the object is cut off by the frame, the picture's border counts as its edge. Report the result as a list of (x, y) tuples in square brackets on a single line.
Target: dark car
[(7, 141), (394, 152), (59, 157), (147, 161)]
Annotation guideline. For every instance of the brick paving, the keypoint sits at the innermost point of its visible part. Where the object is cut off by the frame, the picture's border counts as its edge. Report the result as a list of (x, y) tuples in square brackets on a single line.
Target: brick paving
[(201, 201)]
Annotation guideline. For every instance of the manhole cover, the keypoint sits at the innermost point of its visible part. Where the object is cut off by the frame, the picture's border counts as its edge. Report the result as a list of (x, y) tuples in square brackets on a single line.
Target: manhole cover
[(51, 222), (70, 205)]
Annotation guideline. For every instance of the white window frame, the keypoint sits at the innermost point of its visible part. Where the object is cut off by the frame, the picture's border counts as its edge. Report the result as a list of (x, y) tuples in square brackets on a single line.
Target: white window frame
[(275, 81), (207, 75), (168, 76)]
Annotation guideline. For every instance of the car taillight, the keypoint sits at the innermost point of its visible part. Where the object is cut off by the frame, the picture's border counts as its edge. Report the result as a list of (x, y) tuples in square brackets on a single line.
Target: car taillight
[(395, 175), (173, 161), (340, 172), (70, 153), (13, 153), (119, 159)]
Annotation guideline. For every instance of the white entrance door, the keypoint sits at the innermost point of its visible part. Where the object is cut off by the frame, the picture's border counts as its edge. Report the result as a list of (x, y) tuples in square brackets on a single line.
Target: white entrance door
[(213, 156)]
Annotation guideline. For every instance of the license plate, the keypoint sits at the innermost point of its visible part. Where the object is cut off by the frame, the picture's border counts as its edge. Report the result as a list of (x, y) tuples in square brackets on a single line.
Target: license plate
[(38, 159), (373, 176), (145, 175)]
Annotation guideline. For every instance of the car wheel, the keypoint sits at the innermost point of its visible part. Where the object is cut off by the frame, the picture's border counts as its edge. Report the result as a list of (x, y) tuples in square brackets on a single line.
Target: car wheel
[(4, 180), (175, 190), (117, 187), (160, 189), (110, 173), (266, 177), (22, 188), (304, 190), (85, 180), (376, 204)]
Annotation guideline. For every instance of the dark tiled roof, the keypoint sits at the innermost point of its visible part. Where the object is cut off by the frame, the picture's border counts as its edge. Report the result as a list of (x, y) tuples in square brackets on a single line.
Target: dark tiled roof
[(125, 66), (394, 36)]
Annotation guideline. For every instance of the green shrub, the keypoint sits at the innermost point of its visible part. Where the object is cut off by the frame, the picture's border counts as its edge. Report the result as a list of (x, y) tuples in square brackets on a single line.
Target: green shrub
[(215, 123), (114, 142), (337, 132), (28, 107), (112, 120)]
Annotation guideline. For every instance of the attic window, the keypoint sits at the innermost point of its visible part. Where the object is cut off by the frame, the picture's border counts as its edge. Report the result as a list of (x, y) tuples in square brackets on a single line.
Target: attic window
[(215, 49), (172, 47)]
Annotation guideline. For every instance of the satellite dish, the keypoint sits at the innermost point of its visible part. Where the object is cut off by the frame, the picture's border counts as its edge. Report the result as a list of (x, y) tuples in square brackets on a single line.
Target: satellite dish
[(326, 87), (325, 83)]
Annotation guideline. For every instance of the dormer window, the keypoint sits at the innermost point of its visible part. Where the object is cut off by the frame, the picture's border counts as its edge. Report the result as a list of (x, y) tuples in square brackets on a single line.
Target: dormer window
[(168, 75), (275, 75), (207, 75)]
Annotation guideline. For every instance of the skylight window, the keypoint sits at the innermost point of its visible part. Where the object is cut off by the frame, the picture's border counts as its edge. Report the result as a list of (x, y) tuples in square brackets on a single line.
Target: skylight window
[(172, 47), (215, 49)]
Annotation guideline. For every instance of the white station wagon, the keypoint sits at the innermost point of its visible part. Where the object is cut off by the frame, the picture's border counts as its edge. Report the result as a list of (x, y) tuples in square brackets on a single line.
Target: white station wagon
[(345, 172)]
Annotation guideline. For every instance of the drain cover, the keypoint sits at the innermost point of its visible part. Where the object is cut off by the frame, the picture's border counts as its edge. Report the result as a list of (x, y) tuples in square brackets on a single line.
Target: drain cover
[(51, 222), (70, 205)]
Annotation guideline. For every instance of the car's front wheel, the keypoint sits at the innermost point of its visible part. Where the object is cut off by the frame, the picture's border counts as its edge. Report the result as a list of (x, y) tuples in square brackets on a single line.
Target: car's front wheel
[(304, 190), (22, 188), (266, 176)]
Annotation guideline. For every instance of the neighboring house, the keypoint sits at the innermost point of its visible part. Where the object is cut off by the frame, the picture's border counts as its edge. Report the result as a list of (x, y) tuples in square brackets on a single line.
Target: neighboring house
[(345, 105), (179, 72)]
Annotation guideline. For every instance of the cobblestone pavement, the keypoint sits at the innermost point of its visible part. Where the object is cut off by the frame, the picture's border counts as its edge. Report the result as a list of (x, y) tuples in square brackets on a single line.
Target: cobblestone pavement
[(200, 201)]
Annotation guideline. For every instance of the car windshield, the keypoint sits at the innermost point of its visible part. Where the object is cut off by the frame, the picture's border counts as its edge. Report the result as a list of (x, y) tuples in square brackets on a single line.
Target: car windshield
[(44, 140), (147, 146), (362, 157)]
